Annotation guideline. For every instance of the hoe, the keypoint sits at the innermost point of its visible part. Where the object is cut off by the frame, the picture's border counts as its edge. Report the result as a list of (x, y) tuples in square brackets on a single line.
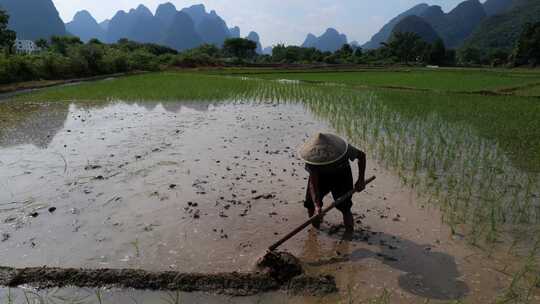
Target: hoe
[(271, 256)]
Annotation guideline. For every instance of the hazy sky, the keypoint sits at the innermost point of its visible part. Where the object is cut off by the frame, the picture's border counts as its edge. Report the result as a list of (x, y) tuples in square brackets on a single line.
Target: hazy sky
[(286, 21)]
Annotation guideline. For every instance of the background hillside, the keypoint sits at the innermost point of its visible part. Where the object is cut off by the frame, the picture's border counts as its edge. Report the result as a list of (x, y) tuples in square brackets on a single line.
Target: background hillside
[(501, 31), (386, 31), (330, 41), (182, 29), (86, 27), (33, 19), (494, 24), (418, 26)]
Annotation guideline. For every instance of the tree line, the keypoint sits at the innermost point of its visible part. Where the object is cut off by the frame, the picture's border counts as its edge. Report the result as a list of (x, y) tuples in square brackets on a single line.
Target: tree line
[(69, 57)]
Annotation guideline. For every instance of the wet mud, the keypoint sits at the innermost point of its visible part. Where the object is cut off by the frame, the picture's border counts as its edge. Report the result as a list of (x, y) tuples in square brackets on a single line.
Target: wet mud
[(194, 188), (281, 266), (288, 277)]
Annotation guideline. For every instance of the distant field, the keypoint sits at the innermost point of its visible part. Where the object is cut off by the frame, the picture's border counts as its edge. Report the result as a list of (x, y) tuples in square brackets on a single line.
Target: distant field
[(150, 87), (455, 80), (531, 91), (480, 154), (511, 121)]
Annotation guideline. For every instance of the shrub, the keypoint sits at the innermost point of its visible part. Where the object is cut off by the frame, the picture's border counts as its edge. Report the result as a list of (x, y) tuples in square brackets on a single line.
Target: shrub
[(142, 60), (17, 68)]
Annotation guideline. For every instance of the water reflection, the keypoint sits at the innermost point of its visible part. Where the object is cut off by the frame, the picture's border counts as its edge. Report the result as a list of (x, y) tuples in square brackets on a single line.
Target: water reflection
[(31, 123), (175, 107), (37, 123)]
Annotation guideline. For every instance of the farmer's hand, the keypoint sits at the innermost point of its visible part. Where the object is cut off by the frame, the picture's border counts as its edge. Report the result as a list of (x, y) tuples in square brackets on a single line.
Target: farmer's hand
[(360, 185), (318, 209)]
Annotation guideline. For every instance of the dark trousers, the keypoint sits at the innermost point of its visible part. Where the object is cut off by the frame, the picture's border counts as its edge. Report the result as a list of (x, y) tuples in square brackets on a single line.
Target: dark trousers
[(338, 183)]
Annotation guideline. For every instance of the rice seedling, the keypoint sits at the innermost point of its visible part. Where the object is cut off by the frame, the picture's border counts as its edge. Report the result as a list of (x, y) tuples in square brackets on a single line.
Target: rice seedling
[(525, 280), (137, 248), (99, 296), (173, 298), (10, 298), (437, 80)]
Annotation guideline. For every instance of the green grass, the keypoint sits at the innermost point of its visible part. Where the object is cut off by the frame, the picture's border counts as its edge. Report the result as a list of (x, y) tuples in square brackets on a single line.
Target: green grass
[(530, 91), (456, 80), (151, 87)]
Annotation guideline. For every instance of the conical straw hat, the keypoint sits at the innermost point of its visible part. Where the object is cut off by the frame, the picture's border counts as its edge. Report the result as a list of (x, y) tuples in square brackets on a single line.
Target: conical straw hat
[(323, 149)]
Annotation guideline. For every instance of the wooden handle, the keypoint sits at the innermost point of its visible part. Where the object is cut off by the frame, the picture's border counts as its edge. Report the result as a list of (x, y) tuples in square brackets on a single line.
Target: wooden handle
[(316, 217)]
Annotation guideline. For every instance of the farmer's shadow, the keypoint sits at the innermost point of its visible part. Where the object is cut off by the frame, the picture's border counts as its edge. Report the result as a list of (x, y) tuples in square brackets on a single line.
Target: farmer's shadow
[(428, 273)]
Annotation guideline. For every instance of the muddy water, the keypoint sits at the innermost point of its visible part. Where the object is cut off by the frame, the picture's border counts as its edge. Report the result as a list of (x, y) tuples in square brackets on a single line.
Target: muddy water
[(206, 188)]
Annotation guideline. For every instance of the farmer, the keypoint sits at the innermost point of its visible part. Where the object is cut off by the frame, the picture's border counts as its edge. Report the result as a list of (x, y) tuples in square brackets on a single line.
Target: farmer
[(327, 159)]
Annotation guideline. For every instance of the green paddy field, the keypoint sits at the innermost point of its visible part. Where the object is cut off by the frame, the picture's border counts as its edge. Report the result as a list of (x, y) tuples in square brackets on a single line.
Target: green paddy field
[(467, 140), (502, 106)]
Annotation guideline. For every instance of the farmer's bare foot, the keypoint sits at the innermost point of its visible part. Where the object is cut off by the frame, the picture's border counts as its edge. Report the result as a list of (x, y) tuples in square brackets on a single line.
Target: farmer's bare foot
[(348, 221)]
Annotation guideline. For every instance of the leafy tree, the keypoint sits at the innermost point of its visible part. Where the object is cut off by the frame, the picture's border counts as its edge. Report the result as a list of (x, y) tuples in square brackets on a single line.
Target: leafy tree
[(344, 54), (406, 46), (42, 43), (377, 55), (290, 54), (437, 54), (471, 55), (7, 37), (279, 53), (95, 41), (450, 57), (190, 59), (54, 66), (528, 46), (331, 59), (358, 52), (127, 45), (345, 51), (207, 49), (240, 48), (142, 60), (60, 44), (157, 49), (93, 55), (115, 61), (498, 57)]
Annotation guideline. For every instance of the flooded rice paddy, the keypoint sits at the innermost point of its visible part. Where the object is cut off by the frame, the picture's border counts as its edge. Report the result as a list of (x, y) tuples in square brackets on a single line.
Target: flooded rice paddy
[(206, 187)]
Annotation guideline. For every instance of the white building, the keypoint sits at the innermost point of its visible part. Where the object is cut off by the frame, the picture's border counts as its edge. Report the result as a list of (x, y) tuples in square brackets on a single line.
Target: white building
[(25, 46)]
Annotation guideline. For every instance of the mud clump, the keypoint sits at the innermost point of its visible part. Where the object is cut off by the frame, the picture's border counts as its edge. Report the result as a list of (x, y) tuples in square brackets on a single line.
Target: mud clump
[(236, 284), (6, 275), (281, 266), (286, 269), (233, 284)]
